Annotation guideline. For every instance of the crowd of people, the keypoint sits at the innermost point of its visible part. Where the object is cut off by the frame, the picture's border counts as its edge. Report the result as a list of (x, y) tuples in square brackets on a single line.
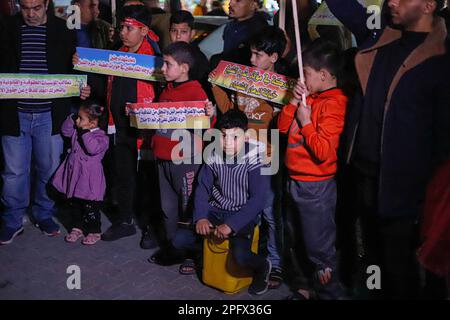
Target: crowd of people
[(364, 147)]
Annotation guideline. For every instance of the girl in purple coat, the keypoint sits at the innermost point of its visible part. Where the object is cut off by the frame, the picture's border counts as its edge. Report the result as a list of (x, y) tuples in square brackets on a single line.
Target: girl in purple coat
[(80, 177)]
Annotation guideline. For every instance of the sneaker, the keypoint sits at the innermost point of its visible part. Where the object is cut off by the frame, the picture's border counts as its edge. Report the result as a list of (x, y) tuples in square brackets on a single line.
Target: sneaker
[(118, 231), (147, 241), (49, 227), (260, 283), (7, 235)]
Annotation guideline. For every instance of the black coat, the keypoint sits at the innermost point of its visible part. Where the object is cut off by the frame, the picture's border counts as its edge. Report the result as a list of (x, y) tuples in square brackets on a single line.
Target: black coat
[(416, 127), (61, 43)]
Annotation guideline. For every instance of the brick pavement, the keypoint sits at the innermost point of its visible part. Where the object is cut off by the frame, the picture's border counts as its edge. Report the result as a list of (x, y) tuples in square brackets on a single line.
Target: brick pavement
[(34, 267)]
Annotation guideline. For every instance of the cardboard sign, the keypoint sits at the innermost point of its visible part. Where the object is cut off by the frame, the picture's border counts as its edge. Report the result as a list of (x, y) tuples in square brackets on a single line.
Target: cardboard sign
[(121, 64), (253, 82), (169, 115), (39, 86)]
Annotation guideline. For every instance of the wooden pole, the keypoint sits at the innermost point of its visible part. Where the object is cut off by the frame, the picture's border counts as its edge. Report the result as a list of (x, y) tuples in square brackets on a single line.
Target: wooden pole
[(299, 45), (113, 13), (282, 15)]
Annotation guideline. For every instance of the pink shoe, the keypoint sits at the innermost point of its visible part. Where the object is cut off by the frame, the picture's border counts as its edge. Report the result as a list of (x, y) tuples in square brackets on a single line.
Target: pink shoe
[(91, 238), (74, 235)]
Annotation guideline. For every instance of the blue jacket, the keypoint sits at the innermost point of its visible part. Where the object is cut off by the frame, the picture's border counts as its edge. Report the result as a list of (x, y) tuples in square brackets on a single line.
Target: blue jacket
[(416, 126)]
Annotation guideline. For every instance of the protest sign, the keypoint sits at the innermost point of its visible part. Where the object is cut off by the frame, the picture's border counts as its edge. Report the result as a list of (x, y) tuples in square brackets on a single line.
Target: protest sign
[(39, 86), (169, 115), (121, 64), (253, 82)]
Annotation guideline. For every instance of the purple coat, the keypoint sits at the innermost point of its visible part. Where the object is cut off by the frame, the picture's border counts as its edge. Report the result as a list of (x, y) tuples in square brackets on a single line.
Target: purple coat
[(81, 173)]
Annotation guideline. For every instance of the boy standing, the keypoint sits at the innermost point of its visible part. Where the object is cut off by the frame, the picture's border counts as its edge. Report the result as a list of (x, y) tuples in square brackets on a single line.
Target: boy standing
[(176, 181), (136, 37), (311, 159)]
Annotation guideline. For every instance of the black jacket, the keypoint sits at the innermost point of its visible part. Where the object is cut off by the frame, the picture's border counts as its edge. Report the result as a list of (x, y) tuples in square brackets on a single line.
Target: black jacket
[(61, 44), (415, 134)]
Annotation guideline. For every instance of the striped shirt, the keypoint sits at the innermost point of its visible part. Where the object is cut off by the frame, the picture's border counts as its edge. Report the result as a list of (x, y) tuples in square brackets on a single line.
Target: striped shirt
[(237, 190), (34, 60), (230, 188)]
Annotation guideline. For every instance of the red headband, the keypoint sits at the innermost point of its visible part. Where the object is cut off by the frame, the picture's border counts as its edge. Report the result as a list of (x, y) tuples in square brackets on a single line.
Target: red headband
[(133, 22)]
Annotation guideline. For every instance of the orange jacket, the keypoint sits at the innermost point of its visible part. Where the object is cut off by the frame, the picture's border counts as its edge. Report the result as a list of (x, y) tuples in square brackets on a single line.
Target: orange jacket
[(312, 150)]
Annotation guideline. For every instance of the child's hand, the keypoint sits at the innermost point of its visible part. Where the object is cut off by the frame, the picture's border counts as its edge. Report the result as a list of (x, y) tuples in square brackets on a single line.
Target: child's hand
[(75, 58), (222, 231), (304, 114), (85, 92), (202, 227), (298, 92), (210, 110), (212, 74)]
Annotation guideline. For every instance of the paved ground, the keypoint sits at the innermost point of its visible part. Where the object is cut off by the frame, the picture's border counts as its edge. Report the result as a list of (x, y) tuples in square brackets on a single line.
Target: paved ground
[(34, 267)]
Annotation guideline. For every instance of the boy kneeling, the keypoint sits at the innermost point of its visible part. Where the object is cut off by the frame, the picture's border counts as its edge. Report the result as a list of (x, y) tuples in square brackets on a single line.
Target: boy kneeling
[(228, 194)]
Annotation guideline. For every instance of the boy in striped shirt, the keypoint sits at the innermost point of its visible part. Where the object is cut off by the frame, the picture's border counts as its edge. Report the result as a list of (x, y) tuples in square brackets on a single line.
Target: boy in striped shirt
[(228, 194)]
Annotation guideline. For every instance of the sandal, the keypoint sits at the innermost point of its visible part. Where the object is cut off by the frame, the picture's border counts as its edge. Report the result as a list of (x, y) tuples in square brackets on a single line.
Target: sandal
[(275, 278), (187, 267), (74, 235), (91, 238)]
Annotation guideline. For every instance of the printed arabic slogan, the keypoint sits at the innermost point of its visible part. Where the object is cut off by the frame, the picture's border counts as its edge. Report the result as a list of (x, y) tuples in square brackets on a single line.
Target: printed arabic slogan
[(34, 86), (253, 82), (168, 115), (121, 64)]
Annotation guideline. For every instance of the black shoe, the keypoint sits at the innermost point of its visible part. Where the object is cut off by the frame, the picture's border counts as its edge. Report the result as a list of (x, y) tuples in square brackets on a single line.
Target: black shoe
[(167, 257), (260, 283), (118, 231), (147, 241)]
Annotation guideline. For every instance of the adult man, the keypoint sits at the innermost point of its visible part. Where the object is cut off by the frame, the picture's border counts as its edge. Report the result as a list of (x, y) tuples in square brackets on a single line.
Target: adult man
[(94, 32), (36, 43), (398, 130)]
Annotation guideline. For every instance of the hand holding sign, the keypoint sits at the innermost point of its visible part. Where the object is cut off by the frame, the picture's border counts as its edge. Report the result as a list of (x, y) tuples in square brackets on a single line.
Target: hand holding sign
[(85, 92), (300, 89)]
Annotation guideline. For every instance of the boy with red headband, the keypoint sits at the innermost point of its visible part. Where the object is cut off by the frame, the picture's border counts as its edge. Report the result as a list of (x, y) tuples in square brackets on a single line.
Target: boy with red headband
[(137, 38)]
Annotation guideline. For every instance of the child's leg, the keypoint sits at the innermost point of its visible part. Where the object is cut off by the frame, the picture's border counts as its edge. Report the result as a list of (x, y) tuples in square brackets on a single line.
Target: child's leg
[(240, 247), (91, 217), (125, 171), (316, 203), (92, 223), (183, 178), (76, 212), (169, 200)]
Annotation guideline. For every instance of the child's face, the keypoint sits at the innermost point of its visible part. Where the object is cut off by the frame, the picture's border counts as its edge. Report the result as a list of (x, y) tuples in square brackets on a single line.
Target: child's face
[(132, 36), (83, 121), (314, 80), (262, 60), (173, 71), (232, 141), (242, 9), (181, 32)]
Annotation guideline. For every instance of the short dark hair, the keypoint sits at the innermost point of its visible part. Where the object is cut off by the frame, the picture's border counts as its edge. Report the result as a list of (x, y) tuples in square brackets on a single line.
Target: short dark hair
[(231, 119), (182, 16), (270, 40), (324, 54), (139, 13), (182, 52)]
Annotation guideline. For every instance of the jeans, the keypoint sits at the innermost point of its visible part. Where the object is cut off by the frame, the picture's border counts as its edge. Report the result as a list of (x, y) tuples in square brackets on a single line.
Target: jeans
[(36, 145), (273, 230)]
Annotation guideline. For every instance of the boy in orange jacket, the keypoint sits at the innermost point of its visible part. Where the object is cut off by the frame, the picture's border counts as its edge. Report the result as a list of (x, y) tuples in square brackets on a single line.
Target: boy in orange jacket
[(311, 158)]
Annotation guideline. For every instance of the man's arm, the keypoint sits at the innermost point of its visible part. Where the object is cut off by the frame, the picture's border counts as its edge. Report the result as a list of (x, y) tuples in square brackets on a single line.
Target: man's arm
[(352, 15)]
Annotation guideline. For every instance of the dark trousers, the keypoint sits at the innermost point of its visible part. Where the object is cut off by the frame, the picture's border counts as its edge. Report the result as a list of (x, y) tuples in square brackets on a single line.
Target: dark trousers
[(314, 203), (241, 244), (176, 183), (389, 243), (85, 215), (124, 172)]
